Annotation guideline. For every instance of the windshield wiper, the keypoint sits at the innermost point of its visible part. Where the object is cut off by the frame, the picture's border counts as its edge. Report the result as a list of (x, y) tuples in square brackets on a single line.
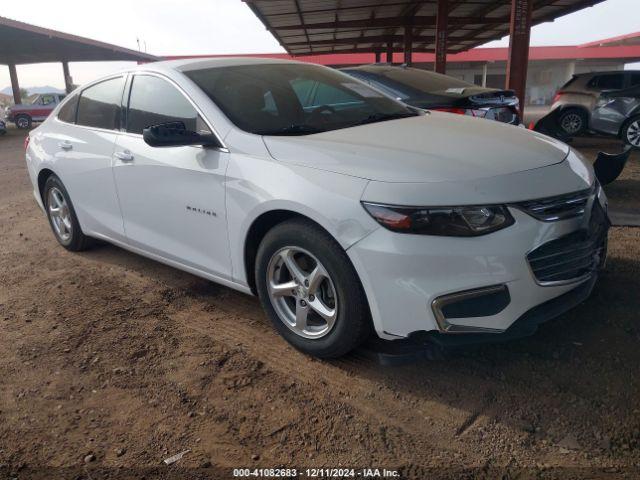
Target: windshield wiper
[(294, 130), (382, 117)]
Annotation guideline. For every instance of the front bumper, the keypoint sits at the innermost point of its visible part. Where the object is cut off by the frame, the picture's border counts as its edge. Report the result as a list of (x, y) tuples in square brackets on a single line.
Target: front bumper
[(403, 275)]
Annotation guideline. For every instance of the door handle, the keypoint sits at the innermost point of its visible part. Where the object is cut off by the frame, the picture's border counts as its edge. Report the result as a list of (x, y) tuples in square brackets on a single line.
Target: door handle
[(65, 145), (124, 156)]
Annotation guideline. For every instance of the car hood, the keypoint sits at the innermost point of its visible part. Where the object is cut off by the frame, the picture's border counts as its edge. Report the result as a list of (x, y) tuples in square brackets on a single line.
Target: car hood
[(429, 148)]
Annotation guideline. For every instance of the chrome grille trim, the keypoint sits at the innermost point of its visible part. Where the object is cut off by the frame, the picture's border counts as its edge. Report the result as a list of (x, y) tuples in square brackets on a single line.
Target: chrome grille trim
[(561, 207), (573, 257)]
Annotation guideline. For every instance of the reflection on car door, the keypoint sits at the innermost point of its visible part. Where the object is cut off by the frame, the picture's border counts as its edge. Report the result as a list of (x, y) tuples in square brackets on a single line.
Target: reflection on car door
[(172, 198), (84, 153)]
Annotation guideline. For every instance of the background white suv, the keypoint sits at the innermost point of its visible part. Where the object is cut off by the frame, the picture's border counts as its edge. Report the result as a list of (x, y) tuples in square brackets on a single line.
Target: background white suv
[(576, 99)]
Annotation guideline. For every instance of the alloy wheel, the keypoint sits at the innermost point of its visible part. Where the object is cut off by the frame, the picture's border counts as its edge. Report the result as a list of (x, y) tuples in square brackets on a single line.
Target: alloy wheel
[(302, 292), (60, 215), (22, 122), (633, 133), (571, 123)]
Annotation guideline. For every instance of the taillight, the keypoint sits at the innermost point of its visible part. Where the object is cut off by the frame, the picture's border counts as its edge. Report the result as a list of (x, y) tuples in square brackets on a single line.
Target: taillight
[(557, 97), (458, 111), (26, 142)]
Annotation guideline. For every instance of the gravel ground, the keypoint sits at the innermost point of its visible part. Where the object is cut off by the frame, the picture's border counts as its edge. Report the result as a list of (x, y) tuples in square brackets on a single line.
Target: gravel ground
[(110, 363)]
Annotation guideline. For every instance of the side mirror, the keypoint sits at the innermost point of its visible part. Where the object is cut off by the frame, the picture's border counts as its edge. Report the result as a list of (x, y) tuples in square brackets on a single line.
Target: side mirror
[(175, 134)]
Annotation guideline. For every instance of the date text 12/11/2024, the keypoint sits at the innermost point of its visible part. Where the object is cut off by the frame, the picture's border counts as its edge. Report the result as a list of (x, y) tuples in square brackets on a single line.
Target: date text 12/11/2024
[(315, 473)]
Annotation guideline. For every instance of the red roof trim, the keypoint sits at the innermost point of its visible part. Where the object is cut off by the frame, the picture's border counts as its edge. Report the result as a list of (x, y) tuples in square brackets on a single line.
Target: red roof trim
[(627, 52), (607, 41)]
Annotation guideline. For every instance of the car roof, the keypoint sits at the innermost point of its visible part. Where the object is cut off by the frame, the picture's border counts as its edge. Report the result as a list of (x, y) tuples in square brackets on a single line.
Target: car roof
[(379, 67), (187, 64)]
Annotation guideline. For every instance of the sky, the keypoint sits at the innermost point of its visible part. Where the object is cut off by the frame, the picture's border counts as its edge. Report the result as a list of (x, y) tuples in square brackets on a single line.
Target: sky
[(190, 27)]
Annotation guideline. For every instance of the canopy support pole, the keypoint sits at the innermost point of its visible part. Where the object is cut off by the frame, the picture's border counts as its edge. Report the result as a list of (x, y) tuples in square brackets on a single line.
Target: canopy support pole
[(408, 45), (15, 86), (441, 36), (68, 81), (389, 52), (519, 39)]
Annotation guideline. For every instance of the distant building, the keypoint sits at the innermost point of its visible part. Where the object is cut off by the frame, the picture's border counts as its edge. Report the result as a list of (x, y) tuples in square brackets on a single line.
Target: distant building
[(549, 67)]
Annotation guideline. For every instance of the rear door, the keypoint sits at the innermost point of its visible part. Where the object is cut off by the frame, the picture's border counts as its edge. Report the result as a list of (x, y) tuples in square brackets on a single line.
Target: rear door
[(172, 198), (81, 139)]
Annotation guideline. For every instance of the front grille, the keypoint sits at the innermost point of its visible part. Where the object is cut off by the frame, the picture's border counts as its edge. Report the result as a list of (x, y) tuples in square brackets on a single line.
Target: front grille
[(572, 256), (561, 207)]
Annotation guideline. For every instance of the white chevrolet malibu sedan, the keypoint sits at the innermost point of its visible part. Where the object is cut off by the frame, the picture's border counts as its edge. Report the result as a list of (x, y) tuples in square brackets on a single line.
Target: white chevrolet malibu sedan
[(345, 211)]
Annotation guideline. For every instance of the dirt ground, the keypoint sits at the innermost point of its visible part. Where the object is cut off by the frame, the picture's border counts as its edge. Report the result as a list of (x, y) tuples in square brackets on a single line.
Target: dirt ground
[(110, 363)]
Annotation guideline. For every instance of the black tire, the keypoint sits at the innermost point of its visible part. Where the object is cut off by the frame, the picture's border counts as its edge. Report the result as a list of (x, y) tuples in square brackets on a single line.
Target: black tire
[(630, 132), (573, 121), (23, 122), (77, 240), (352, 324)]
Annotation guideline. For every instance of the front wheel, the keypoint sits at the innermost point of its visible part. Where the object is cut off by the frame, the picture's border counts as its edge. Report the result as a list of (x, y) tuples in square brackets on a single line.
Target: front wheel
[(62, 216), (23, 122), (631, 132), (310, 290)]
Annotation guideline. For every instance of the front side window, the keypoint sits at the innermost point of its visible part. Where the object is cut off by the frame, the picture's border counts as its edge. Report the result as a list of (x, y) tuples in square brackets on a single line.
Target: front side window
[(47, 100), (154, 101), (99, 105), (293, 99)]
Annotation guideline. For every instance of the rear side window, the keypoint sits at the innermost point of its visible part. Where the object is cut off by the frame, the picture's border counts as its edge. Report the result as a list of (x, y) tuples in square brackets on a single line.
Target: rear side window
[(68, 111), (154, 101), (634, 79), (614, 81), (99, 105)]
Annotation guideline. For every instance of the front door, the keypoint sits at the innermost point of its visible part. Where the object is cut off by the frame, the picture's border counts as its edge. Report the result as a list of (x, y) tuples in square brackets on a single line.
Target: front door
[(172, 198)]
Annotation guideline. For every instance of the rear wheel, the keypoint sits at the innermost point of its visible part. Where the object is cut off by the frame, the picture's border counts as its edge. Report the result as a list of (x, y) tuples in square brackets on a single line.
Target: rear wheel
[(573, 121), (631, 132), (23, 121), (62, 216), (310, 290)]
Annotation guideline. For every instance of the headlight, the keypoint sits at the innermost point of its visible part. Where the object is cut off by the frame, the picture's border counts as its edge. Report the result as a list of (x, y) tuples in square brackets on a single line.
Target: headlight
[(467, 221)]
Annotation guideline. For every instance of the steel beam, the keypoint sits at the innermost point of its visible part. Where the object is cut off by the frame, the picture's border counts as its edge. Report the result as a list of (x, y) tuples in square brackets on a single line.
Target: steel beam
[(441, 36), (418, 21), (520, 35), (15, 86), (363, 39)]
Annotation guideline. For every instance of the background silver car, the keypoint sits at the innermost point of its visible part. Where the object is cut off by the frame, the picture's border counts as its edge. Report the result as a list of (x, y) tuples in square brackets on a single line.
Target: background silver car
[(618, 113), (577, 98)]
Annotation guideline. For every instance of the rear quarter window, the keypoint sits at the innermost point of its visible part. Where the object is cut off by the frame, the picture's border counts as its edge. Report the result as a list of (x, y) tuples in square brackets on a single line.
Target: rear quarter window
[(612, 81), (67, 112), (99, 105)]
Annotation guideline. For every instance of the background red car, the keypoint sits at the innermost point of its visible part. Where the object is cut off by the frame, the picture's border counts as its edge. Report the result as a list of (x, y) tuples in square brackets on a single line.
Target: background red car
[(23, 115)]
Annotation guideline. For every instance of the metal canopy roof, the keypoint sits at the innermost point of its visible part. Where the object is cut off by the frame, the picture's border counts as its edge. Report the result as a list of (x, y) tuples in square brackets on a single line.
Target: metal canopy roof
[(23, 43), (352, 26)]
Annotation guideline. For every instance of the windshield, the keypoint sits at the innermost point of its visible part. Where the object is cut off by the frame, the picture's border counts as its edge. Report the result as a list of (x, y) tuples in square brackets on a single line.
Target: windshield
[(294, 99)]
